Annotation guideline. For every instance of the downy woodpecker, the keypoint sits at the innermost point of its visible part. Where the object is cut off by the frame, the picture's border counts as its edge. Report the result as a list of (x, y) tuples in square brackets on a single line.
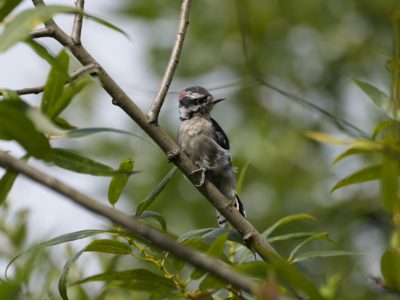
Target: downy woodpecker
[(204, 141)]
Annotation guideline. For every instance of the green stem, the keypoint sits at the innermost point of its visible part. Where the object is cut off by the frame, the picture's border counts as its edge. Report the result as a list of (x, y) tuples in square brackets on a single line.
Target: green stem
[(395, 92)]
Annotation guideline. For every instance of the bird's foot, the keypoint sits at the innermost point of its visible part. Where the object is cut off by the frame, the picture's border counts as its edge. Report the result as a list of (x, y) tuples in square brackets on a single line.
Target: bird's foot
[(199, 172)]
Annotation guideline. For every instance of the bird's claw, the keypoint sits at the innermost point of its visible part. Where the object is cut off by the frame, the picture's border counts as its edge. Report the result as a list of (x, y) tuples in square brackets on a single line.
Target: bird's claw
[(202, 172)]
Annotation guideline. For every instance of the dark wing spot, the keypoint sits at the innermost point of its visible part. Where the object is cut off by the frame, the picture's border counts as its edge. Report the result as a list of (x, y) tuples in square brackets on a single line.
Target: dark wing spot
[(220, 136)]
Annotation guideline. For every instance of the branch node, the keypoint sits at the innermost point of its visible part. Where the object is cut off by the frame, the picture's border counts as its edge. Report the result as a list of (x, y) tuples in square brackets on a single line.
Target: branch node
[(173, 154)]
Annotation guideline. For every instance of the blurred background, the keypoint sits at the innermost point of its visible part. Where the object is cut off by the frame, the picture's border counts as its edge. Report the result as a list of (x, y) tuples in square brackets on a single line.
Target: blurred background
[(312, 50)]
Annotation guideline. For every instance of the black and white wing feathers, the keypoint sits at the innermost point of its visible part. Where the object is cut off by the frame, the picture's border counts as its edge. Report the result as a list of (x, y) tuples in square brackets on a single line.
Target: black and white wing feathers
[(220, 136)]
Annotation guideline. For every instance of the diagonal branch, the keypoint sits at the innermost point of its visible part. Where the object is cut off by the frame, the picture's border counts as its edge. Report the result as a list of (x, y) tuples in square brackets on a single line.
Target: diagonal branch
[(250, 235), (172, 64), (89, 69), (77, 26), (197, 259)]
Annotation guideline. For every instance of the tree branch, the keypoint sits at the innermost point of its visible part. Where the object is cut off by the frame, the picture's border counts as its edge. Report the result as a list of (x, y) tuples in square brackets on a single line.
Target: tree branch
[(197, 259), (250, 235), (41, 32), (89, 69), (172, 64), (77, 26)]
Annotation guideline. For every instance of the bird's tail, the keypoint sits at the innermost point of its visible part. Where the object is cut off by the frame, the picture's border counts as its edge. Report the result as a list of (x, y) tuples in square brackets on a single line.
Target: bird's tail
[(238, 205)]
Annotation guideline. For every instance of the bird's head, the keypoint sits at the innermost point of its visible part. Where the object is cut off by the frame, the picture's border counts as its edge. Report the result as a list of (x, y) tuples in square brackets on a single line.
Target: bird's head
[(196, 101)]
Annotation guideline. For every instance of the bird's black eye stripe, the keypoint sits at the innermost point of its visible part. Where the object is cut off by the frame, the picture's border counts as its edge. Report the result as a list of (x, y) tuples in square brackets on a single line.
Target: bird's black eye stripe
[(187, 101), (201, 100)]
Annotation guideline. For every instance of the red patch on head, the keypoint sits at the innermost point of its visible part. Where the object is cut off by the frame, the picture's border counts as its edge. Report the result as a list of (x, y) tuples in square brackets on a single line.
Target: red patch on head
[(182, 94)]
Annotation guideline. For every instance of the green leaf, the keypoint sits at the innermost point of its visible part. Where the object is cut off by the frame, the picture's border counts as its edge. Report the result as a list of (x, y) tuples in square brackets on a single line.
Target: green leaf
[(285, 221), (15, 125), (216, 249), (19, 28), (257, 269), (11, 289), (389, 184), (325, 138), (321, 235), (64, 124), (380, 99), (82, 132), (43, 124), (315, 254), (70, 91), (138, 279), (366, 174), (7, 6), (241, 176), (194, 233), (211, 282), (73, 161), (57, 78), (290, 236), (155, 192), (197, 243), (73, 236), (232, 235), (7, 181), (63, 281), (44, 53), (350, 152), (10, 95), (154, 215), (382, 126), (119, 181), (218, 245), (108, 246), (295, 279), (390, 266)]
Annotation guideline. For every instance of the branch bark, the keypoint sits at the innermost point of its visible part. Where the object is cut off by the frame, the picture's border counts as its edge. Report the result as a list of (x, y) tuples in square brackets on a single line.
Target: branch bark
[(250, 235), (172, 64), (89, 69), (41, 32), (197, 259), (78, 21)]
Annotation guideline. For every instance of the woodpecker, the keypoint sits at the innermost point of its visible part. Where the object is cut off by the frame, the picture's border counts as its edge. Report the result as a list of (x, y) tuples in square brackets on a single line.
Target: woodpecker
[(206, 143)]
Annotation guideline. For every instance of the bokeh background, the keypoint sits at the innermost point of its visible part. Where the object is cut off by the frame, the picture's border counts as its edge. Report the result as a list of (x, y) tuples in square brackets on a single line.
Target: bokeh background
[(311, 49)]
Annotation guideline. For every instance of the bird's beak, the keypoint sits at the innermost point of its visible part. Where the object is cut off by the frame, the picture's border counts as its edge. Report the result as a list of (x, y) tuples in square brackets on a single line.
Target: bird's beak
[(215, 101)]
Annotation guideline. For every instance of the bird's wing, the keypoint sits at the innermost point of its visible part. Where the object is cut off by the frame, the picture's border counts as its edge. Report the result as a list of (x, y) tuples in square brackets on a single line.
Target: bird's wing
[(220, 136)]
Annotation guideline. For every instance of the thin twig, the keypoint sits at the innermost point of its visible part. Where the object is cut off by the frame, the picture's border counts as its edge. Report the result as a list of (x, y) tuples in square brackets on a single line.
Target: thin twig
[(172, 64), (77, 26), (89, 69), (197, 259), (41, 32)]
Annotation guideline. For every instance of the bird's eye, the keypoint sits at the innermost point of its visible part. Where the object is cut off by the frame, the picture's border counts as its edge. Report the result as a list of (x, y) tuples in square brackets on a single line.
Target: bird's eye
[(201, 100)]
